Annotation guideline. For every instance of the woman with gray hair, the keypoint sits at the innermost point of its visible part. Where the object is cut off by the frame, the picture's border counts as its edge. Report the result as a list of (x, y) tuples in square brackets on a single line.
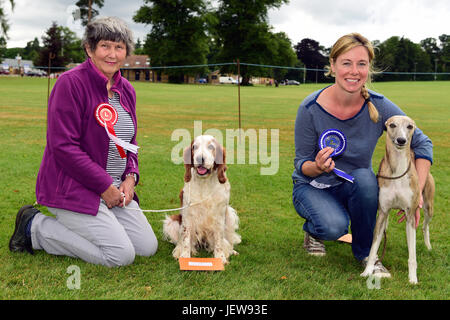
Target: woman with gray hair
[(90, 165)]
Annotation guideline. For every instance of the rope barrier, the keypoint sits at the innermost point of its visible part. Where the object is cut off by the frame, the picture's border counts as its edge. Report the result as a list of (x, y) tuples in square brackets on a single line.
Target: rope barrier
[(255, 65)]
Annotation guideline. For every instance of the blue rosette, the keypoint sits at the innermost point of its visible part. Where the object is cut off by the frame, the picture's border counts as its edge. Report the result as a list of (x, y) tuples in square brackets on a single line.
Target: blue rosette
[(335, 139)]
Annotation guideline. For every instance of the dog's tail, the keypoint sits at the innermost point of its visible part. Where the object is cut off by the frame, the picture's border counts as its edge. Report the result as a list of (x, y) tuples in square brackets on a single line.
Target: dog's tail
[(171, 227), (231, 225)]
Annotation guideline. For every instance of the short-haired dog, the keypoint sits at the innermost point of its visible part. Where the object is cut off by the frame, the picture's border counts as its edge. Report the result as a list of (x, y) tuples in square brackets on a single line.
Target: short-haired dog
[(399, 189)]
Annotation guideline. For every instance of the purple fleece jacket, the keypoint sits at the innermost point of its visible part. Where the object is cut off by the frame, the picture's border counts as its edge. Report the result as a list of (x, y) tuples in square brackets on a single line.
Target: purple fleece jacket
[(72, 174)]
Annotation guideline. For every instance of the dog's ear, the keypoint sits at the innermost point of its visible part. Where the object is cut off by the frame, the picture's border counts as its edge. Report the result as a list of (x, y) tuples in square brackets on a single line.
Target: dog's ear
[(413, 123), (386, 123), (188, 162), (220, 162), (181, 197)]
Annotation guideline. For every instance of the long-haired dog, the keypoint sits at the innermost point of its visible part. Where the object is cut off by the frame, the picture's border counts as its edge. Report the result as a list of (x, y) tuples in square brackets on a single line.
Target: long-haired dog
[(207, 221), (399, 189)]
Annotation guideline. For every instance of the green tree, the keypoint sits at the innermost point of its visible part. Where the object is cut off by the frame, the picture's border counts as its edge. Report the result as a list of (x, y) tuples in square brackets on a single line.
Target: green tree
[(138, 47), (3, 49), (402, 55), (244, 33), (282, 55), (71, 46), (445, 54), (87, 11), (310, 53), (53, 46), (31, 51), (4, 26), (177, 36)]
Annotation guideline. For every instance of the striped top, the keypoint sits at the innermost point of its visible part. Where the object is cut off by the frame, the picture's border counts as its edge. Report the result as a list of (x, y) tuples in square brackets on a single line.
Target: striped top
[(124, 129)]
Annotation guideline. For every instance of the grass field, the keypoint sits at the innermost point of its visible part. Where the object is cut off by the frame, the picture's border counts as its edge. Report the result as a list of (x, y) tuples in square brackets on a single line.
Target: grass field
[(272, 263)]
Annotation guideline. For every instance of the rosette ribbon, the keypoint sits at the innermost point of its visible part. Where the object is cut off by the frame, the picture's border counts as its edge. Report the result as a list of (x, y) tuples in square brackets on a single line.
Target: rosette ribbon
[(335, 139), (107, 117)]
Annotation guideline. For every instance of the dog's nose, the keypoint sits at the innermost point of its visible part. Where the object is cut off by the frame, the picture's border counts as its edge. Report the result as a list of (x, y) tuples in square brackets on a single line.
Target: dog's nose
[(401, 141), (199, 159)]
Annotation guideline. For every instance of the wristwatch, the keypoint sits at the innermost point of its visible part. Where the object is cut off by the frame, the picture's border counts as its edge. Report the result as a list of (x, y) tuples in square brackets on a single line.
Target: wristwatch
[(133, 175)]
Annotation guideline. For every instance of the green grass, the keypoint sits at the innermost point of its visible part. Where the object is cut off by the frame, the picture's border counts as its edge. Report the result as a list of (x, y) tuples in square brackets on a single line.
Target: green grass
[(271, 264)]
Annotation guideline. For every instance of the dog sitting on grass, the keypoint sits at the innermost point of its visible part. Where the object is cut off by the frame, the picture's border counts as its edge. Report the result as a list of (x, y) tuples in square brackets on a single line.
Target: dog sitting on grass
[(207, 221)]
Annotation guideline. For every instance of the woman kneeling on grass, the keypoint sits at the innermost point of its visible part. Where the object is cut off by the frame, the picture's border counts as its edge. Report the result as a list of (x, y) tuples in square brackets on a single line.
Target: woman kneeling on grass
[(326, 201), (85, 178)]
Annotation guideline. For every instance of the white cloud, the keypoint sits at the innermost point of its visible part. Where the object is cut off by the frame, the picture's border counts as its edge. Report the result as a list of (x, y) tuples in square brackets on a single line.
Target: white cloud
[(321, 20), (326, 20), (32, 18)]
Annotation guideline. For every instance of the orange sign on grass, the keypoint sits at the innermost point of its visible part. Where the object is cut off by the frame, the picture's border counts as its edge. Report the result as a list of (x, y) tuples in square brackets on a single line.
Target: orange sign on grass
[(201, 264)]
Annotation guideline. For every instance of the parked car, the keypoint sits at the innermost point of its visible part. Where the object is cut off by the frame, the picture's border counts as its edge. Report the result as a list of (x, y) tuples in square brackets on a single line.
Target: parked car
[(202, 80), (35, 73), (230, 80), (292, 83), (4, 71)]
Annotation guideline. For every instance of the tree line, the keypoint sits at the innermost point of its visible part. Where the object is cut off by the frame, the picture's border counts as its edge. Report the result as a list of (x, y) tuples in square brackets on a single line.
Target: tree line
[(194, 32)]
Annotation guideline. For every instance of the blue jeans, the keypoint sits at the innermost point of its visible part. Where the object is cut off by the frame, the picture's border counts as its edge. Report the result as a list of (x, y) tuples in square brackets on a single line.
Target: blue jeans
[(328, 211)]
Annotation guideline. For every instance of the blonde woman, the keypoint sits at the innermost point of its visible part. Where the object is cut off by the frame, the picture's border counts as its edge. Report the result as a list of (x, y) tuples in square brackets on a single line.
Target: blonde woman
[(327, 201)]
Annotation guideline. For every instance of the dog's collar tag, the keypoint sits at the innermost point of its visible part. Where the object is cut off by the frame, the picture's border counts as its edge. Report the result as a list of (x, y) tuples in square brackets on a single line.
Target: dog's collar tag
[(335, 139), (107, 117)]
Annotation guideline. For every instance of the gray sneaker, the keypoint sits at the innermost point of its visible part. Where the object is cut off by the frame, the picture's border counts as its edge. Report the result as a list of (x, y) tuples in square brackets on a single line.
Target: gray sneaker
[(313, 246), (378, 270)]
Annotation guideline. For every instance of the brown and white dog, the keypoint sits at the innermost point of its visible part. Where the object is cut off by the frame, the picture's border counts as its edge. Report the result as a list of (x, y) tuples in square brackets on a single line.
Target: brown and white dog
[(399, 189), (208, 221)]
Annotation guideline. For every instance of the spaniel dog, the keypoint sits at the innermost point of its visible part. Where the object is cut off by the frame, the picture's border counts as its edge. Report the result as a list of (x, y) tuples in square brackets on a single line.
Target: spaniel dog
[(207, 220)]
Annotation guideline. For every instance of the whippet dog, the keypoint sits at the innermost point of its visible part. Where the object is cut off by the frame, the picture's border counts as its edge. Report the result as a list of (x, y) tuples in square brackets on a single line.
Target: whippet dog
[(399, 189)]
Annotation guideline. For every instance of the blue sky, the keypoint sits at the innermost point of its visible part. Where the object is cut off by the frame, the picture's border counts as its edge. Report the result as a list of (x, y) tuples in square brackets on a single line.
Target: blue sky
[(321, 20)]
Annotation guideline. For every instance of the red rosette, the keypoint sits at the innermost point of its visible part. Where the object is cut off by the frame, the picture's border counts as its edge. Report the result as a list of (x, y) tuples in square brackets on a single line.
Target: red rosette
[(105, 114)]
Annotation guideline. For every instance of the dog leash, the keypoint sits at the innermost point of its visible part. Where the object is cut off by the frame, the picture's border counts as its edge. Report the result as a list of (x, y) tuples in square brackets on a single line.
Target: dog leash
[(163, 210), (393, 178), (166, 210)]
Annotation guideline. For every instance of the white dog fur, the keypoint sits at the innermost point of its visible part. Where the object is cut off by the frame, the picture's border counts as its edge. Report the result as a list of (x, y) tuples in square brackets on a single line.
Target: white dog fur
[(208, 221)]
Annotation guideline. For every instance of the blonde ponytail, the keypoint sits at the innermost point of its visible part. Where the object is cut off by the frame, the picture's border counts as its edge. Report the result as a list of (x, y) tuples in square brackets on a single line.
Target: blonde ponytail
[(373, 112)]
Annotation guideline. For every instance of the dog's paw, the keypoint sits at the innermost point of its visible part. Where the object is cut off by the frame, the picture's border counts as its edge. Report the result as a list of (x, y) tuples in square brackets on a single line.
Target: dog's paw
[(221, 255), (178, 252), (185, 254), (413, 280), (367, 272), (235, 253)]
